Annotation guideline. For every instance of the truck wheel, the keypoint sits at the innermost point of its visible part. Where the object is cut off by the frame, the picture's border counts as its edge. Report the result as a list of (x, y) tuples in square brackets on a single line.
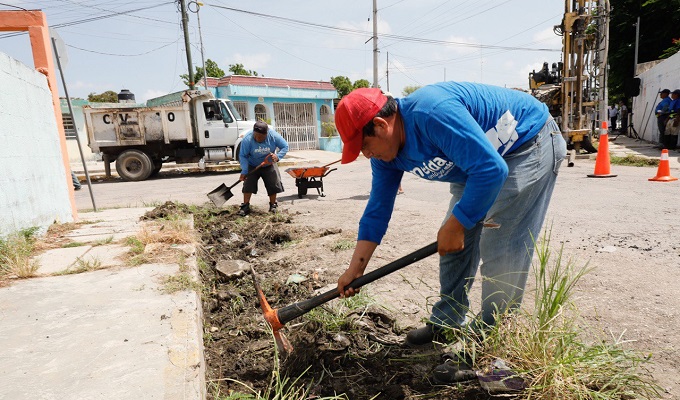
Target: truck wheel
[(238, 151), (134, 165)]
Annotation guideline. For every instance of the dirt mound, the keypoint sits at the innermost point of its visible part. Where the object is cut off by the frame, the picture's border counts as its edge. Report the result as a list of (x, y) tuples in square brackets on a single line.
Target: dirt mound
[(356, 352)]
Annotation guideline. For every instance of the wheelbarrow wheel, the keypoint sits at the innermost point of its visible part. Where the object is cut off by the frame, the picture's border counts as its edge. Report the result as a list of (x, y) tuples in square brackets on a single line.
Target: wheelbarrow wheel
[(302, 187)]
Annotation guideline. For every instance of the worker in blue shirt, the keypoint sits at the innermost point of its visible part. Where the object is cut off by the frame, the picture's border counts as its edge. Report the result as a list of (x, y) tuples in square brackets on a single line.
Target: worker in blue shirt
[(500, 151), (259, 146), (673, 123), (662, 111)]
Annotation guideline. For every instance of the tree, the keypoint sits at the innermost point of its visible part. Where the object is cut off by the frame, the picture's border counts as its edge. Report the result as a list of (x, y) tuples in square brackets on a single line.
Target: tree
[(343, 85), (409, 89), (239, 69), (214, 71), (107, 97), (658, 28)]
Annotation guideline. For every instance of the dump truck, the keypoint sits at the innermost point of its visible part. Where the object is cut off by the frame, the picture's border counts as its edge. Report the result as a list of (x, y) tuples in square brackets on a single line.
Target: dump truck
[(183, 127)]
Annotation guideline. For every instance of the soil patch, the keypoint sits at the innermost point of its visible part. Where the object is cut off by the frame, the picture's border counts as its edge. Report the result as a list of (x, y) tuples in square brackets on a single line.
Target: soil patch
[(338, 350)]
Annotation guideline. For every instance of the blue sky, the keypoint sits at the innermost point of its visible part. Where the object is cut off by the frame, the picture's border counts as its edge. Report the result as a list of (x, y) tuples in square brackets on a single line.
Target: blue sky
[(112, 47)]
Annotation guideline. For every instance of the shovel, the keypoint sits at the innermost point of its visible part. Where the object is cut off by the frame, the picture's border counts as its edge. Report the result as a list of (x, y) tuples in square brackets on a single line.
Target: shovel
[(222, 193), (276, 318)]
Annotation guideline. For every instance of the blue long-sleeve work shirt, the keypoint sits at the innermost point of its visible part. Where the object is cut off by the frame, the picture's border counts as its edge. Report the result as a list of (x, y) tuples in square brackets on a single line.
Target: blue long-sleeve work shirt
[(454, 132), (254, 153)]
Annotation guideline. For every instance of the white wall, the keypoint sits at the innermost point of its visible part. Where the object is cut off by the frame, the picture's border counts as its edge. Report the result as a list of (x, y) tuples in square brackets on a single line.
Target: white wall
[(664, 75), (32, 174)]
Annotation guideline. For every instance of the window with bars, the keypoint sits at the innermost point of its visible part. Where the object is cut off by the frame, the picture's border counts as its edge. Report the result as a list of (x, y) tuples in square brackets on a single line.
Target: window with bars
[(260, 112), (242, 108), (69, 125)]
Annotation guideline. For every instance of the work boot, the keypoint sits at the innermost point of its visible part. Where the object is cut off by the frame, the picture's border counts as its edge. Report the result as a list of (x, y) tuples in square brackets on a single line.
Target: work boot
[(273, 207), (244, 209), (425, 335)]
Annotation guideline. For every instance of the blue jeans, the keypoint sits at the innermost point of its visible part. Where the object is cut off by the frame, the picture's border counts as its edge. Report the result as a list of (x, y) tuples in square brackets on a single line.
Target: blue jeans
[(506, 252)]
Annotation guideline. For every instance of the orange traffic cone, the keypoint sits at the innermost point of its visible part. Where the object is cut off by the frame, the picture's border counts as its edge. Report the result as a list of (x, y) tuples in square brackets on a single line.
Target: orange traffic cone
[(602, 169), (663, 174)]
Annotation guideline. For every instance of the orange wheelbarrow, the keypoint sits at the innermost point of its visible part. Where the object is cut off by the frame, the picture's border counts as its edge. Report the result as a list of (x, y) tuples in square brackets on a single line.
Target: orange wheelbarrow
[(306, 178)]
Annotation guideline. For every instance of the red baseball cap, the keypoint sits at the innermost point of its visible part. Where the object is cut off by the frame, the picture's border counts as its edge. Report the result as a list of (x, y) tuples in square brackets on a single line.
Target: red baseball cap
[(355, 110)]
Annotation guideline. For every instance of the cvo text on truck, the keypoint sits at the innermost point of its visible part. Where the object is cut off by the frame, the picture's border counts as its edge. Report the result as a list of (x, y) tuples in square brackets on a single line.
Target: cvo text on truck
[(184, 127)]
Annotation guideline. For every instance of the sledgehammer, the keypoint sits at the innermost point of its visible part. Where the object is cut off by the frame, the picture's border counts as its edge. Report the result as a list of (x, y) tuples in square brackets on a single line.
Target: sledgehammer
[(276, 318)]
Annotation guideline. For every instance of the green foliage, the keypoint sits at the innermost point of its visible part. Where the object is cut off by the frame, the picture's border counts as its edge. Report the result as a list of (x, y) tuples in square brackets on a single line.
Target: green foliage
[(328, 129), (361, 83), (343, 85), (635, 161), (658, 28), (333, 317), (675, 47), (214, 71), (15, 254), (546, 348), (107, 97), (409, 89), (343, 244), (239, 69)]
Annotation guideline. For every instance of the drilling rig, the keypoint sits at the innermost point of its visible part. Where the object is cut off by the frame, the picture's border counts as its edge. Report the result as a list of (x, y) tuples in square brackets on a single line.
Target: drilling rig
[(574, 89)]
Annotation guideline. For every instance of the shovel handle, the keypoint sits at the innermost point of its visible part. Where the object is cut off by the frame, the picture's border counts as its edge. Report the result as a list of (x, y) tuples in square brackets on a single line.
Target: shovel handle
[(293, 311)]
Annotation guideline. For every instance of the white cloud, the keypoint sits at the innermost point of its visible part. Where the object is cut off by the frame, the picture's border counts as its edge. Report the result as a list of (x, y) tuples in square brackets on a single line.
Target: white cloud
[(468, 45), (150, 94), (250, 61), (548, 39)]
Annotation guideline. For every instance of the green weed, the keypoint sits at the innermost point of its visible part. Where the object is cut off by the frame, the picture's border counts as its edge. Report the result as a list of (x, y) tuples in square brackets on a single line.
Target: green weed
[(343, 244), (15, 254), (546, 345), (634, 160)]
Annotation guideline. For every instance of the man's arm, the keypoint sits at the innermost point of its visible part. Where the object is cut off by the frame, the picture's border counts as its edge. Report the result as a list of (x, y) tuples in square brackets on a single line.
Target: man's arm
[(282, 144), (243, 156), (362, 254)]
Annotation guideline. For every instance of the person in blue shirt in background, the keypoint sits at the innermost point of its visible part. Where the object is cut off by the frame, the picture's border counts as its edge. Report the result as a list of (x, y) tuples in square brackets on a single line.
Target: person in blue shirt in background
[(500, 151), (260, 145), (662, 111), (673, 123)]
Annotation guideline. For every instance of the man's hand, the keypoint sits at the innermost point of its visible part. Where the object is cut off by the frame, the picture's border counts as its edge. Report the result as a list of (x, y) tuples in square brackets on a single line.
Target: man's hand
[(242, 177), (274, 157), (451, 237), (357, 266)]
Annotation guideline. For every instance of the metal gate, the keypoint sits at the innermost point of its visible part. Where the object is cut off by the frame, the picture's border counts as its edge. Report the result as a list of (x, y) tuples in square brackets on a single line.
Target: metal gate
[(296, 122)]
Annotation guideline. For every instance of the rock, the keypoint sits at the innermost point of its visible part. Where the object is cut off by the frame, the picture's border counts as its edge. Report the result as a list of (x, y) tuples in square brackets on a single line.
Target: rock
[(232, 269)]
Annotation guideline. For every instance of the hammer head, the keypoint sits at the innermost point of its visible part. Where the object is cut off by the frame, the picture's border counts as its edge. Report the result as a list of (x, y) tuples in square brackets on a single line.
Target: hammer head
[(272, 318)]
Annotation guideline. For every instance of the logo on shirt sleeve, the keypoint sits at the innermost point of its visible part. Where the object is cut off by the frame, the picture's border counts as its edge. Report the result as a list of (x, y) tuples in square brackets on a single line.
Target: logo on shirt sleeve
[(504, 133)]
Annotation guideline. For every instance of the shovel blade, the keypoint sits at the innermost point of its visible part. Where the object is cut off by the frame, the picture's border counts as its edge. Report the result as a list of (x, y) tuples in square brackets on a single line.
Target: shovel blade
[(220, 195)]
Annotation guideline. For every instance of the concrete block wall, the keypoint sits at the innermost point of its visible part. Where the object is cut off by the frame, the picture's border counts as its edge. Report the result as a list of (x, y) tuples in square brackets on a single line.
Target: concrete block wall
[(32, 173), (663, 75)]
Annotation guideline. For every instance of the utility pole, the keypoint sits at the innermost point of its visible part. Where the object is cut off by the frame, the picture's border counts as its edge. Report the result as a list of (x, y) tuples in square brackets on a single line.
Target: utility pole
[(387, 71), (375, 43), (200, 36), (185, 26), (637, 40)]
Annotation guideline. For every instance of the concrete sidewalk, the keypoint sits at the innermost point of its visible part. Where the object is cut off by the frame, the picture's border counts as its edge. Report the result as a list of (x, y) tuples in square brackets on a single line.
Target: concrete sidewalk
[(108, 334)]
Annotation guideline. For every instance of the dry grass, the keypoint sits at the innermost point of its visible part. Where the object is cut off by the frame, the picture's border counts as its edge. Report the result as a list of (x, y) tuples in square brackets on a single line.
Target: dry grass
[(55, 236), (160, 241), (15, 255)]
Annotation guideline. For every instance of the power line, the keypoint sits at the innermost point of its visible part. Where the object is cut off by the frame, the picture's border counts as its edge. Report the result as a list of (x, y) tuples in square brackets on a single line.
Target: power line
[(398, 37), (123, 55), (92, 19), (10, 5)]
